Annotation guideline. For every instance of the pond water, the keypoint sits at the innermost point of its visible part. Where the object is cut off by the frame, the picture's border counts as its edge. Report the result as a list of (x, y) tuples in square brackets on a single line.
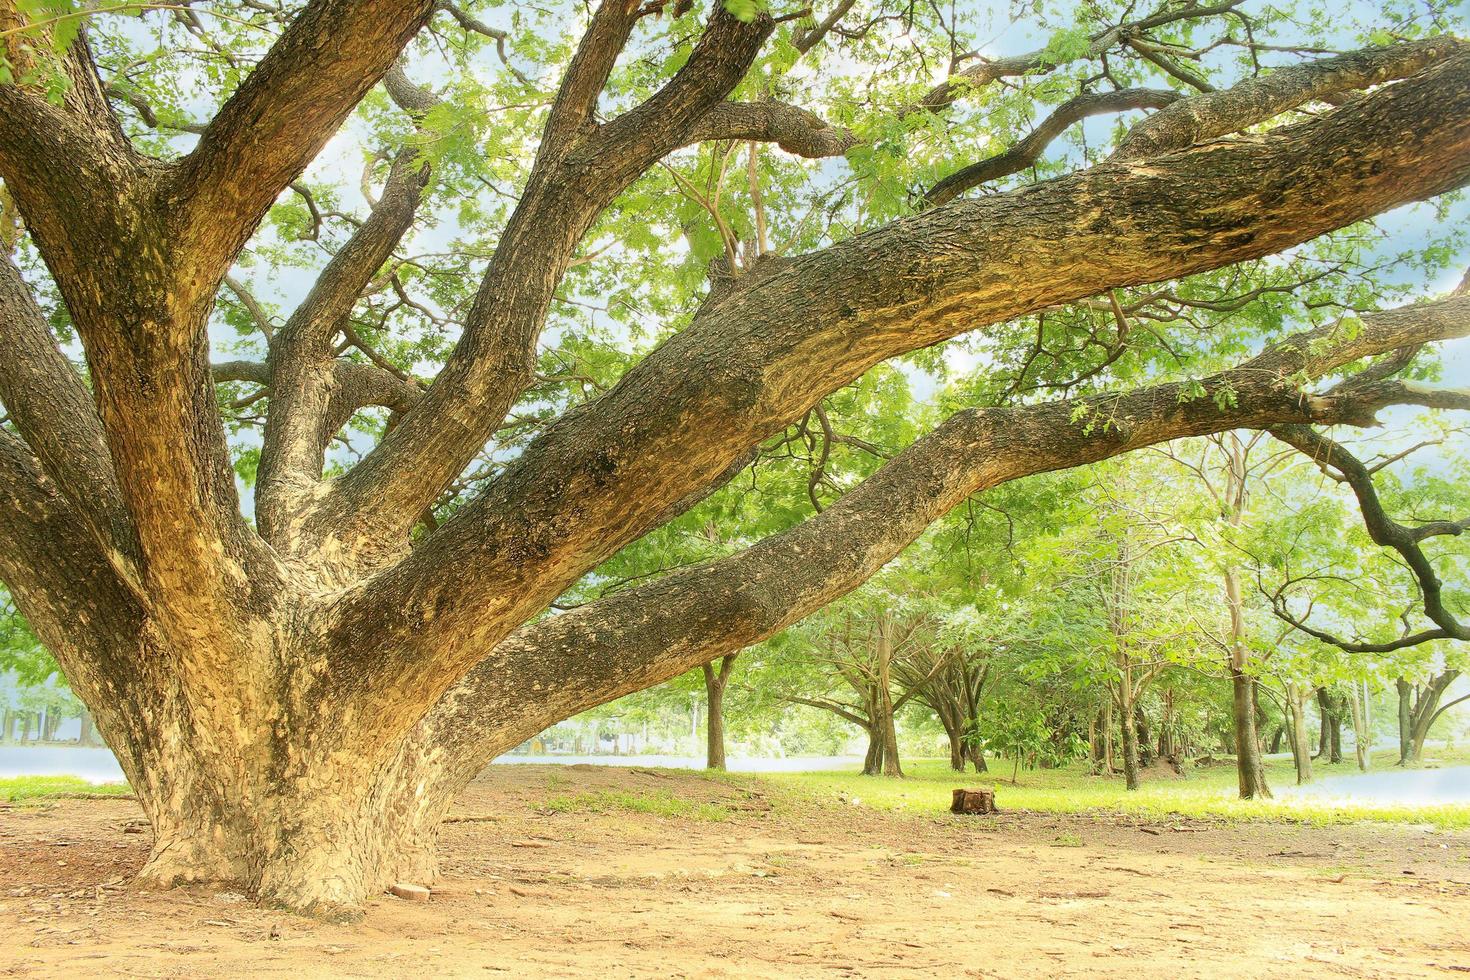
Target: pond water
[(99, 766), (93, 765), (1415, 787)]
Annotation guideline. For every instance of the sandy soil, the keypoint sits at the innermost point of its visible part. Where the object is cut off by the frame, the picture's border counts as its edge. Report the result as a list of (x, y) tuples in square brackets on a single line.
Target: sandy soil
[(782, 888)]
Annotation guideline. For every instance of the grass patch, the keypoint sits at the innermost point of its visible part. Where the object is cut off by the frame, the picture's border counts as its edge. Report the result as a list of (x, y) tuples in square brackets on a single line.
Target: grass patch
[(660, 804), (18, 788), (1209, 793)]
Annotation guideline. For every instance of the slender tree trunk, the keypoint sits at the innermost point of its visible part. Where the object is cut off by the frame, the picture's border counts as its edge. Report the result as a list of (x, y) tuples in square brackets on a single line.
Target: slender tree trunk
[(1335, 745), (1250, 769), (1276, 738), (1324, 732), (956, 748), (1406, 711), (715, 728), (1301, 753), (873, 761), (1361, 735), (1129, 728), (883, 700), (715, 682)]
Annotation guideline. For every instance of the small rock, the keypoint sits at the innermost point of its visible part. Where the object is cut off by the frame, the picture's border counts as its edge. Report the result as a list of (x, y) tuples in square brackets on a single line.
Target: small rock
[(409, 892)]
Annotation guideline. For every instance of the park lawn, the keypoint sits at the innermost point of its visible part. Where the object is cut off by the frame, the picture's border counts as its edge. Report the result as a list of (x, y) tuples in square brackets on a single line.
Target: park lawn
[(16, 789), (1203, 793)]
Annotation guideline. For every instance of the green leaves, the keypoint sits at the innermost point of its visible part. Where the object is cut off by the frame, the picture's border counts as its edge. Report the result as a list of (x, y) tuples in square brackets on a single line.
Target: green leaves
[(744, 10), (1067, 45)]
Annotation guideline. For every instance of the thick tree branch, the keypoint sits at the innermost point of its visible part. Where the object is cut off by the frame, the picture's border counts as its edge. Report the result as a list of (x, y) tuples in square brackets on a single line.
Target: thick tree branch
[(762, 356), (375, 505), (306, 409), (54, 413), (587, 74), (634, 639), (1204, 117), (278, 120), (792, 128), (1029, 150), (627, 146)]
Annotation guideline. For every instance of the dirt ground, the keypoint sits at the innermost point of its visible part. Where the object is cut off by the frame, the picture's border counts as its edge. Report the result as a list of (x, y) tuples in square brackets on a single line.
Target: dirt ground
[(539, 884)]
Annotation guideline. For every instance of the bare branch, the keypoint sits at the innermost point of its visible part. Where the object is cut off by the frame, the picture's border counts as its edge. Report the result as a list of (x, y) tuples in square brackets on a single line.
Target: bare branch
[(54, 413), (794, 129), (1332, 457), (1029, 150)]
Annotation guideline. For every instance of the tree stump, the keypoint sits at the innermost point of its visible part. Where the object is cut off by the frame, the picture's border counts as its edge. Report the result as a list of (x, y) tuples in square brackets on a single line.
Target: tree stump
[(974, 801)]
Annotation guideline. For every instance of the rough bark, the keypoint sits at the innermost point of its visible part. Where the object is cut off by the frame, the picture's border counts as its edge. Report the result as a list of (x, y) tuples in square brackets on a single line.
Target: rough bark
[(1249, 766), (1127, 714)]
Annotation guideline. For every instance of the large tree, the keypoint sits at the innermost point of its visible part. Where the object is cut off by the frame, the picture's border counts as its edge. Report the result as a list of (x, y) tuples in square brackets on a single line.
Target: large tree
[(296, 699)]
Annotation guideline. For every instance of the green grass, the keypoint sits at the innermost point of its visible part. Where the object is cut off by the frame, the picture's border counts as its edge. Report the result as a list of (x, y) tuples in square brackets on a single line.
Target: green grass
[(660, 804), (1208, 793), (18, 788)]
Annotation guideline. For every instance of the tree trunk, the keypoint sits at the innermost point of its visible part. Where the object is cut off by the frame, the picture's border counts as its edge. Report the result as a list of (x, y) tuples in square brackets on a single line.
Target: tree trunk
[(873, 761), (1330, 741), (1406, 709), (956, 748), (715, 728), (715, 682), (1301, 753), (977, 758), (1129, 728), (883, 698), (1361, 735), (1250, 769), (1324, 732), (88, 734), (1417, 739), (1276, 738), (891, 766)]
